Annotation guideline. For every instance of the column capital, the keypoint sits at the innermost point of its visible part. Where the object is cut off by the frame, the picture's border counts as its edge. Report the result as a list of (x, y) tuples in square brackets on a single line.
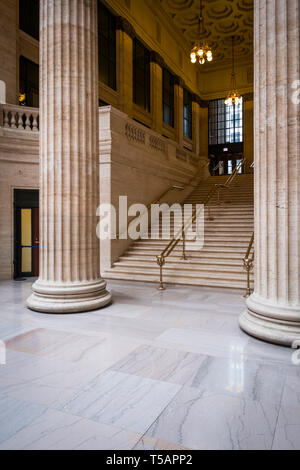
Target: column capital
[(248, 97), (156, 58), (199, 101), (124, 25), (179, 81)]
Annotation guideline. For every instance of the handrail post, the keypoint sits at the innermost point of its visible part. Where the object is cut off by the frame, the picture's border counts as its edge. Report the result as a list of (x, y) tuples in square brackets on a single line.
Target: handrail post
[(184, 257), (248, 264), (161, 262)]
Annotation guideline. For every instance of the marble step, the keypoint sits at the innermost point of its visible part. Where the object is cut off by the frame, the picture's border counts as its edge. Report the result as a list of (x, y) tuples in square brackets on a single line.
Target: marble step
[(214, 256), (191, 260), (183, 266), (209, 234), (183, 272), (199, 281), (213, 249), (209, 242)]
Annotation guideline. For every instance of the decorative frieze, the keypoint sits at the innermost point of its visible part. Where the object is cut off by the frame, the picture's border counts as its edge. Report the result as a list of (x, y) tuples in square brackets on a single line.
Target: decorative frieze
[(134, 133), (157, 143)]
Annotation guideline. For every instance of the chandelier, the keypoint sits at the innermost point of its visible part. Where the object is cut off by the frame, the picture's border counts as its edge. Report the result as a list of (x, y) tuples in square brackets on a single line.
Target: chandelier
[(201, 51), (233, 96)]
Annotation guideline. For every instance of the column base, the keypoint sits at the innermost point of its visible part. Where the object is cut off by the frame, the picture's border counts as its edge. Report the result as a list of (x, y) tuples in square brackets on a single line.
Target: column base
[(271, 323), (60, 298)]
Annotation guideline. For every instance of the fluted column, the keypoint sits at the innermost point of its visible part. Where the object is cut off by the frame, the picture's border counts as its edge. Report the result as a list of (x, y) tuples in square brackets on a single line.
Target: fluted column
[(125, 36), (196, 124), (178, 97), (248, 127), (156, 72), (203, 122), (274, 309), (69, 179)]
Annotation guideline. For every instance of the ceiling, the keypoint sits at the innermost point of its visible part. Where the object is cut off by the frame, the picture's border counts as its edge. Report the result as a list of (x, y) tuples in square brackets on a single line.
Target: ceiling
[(222, 20)]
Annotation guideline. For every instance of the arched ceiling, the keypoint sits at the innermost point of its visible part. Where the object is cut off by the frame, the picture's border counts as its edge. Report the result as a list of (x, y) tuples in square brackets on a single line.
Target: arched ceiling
[(222, 20)]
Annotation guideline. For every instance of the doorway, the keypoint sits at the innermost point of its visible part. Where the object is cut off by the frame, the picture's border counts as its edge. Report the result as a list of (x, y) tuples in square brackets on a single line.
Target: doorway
[(26, 218), (228, 163)]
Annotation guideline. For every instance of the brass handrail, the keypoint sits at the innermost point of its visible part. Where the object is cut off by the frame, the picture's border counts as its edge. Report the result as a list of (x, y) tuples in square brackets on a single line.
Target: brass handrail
[(231, 178), (248, 263), (161, 259)]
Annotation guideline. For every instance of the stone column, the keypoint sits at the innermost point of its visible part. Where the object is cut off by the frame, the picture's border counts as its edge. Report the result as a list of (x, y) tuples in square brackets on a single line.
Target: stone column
[(156, 70), (69, 163), (196, 124), (248, 127), (125, 35), (178, 92), (203, 119), (274, 309)]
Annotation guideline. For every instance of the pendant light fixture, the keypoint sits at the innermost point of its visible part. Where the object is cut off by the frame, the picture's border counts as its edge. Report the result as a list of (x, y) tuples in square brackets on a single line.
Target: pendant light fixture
[(201, 52), (233, 96)]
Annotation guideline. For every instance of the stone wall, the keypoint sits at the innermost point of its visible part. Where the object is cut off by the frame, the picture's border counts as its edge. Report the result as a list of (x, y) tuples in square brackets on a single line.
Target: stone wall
[(19, 169), (8, 48), (138, 163)]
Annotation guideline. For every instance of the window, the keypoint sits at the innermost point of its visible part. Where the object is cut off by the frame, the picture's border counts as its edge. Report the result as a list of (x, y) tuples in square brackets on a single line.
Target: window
[(141, 75), (225, 123), (187, 114), (168, 97), (29, 17), (29, 82), (107, 46)]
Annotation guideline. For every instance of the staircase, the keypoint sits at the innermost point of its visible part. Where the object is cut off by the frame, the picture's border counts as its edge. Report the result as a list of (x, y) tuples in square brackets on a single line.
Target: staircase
[(228, 229)]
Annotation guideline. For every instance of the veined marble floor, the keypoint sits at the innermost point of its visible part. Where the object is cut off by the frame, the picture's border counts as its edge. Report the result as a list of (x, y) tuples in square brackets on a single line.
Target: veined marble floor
[(155, 370)]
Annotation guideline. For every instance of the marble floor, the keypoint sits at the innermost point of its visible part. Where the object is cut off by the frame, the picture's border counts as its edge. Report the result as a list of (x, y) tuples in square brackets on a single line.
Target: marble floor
[(155, 370)]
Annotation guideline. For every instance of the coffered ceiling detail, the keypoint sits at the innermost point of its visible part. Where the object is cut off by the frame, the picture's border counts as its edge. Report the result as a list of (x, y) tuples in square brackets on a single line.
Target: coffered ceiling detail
[(223, 19)]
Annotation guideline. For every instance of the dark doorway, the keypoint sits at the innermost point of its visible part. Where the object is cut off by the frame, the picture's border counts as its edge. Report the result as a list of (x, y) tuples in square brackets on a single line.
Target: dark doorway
[(26, 218), (228, 162)]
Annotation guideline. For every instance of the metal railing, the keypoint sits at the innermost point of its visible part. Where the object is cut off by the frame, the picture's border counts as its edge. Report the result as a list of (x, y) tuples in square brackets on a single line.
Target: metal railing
[(161, 259), (231, 178), (248, 263), (227, 184)]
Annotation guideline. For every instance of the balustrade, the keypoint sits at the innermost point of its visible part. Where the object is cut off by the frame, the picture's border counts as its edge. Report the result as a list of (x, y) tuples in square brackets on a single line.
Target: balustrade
[(19, 118)]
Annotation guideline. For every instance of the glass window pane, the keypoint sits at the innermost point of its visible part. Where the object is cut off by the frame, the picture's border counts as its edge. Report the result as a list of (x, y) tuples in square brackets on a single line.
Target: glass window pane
[(107, 46)]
